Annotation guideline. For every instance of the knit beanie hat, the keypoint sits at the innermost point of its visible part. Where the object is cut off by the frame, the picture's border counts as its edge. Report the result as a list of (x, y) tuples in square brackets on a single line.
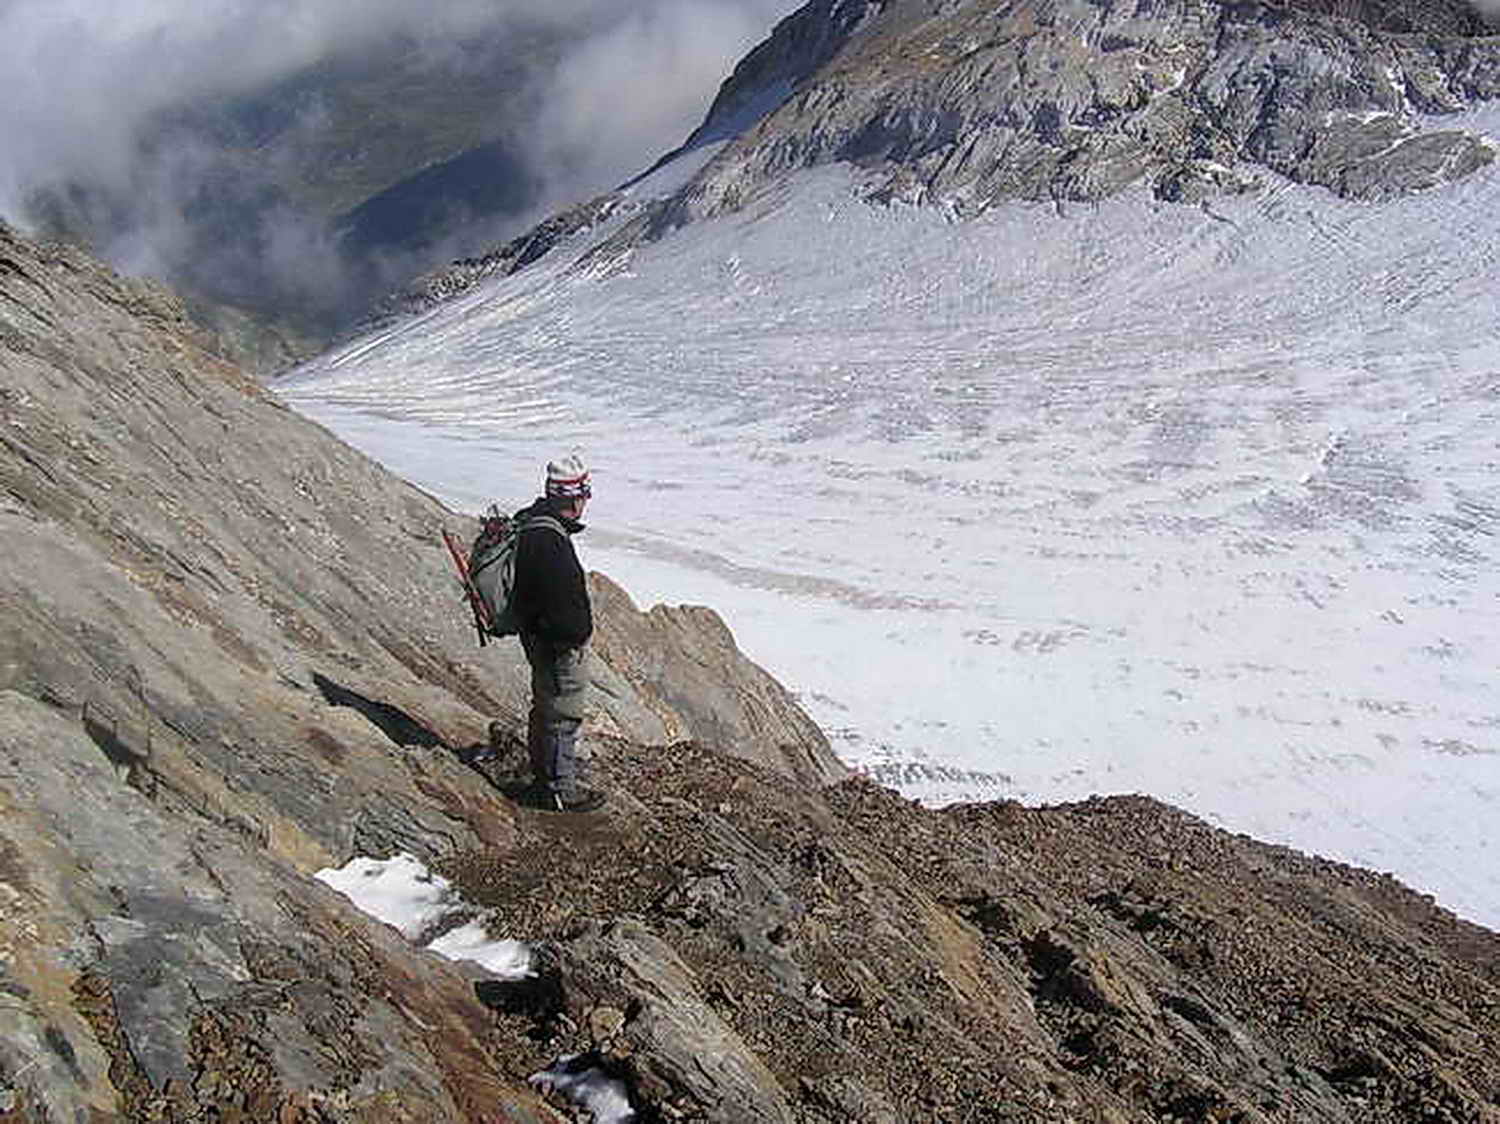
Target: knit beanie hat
[(568, 478)]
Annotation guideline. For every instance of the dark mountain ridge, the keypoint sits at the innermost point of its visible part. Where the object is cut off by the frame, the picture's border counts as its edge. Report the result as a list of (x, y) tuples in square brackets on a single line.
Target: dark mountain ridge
[(284, 210)]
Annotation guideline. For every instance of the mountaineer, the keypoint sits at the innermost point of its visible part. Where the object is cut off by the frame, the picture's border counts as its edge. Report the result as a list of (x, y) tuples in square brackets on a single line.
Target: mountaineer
[(555, 620)]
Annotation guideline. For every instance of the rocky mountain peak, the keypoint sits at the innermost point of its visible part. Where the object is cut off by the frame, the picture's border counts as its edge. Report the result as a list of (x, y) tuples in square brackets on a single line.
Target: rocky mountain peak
[(798, 47), (964, 103)]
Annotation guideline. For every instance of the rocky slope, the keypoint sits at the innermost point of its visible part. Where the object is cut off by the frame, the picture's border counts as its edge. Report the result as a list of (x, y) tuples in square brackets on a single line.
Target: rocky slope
[(963, 104), (233, 654), (851, 956), (969, 103), (232, 657)]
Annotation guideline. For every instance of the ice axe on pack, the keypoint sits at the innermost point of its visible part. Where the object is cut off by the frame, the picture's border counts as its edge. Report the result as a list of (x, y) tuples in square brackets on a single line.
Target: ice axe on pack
[(481, 611)]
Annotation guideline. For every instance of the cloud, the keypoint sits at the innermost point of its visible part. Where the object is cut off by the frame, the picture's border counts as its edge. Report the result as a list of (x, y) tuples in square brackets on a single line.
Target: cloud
[(80, 79), (101, 101), (641, 83)]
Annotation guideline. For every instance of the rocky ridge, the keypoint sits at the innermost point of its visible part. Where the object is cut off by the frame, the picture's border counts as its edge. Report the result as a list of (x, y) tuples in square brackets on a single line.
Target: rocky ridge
[(233, 654), (233, 657), (964, 104)]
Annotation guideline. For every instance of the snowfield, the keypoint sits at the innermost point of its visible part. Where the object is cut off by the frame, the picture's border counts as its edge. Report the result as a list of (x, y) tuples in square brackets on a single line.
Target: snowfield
[(1196, 502)]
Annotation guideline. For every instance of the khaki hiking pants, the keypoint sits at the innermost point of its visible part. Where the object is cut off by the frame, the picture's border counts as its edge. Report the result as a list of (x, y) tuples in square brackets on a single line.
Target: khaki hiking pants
[(559, 697)]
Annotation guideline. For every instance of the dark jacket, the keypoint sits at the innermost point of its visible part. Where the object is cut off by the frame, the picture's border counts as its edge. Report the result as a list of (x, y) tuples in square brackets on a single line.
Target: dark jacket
[(550, 594)]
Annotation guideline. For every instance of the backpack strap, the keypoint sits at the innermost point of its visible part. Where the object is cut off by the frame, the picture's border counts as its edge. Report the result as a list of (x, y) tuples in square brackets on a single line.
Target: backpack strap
[(519, 526), (548, 521)]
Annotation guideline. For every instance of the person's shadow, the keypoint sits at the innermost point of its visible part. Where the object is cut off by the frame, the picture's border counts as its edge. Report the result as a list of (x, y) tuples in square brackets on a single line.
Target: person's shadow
[(507, 769), (392, 721), (502, 762)]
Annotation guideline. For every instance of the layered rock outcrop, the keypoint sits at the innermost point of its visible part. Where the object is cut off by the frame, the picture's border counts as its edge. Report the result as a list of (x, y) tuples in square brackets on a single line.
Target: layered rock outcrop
[(966, 104), (232, 656), (846, 955)]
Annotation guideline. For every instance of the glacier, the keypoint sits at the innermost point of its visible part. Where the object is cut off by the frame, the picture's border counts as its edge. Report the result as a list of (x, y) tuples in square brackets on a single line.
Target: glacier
[(1200, 502)]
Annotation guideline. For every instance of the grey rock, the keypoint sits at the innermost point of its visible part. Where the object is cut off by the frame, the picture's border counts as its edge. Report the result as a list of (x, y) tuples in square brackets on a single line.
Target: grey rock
[(969, 105), (682, 662), (166, 953), (964, 105), (679, 1045), (233, 656), (137, 932)]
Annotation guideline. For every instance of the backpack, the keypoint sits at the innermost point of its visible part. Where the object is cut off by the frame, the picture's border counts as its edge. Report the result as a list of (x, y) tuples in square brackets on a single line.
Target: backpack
[(492, 566)]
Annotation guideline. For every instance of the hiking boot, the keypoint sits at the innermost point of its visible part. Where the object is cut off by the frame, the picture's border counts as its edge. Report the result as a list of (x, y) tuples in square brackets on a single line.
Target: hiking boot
[(579, 799)]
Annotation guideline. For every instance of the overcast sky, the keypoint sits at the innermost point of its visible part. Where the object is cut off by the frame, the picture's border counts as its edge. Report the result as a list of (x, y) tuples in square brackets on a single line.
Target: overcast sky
[(81, 79)]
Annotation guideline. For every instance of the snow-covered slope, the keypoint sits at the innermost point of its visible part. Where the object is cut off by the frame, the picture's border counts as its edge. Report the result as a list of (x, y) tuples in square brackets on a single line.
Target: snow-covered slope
[(1196, 501)]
